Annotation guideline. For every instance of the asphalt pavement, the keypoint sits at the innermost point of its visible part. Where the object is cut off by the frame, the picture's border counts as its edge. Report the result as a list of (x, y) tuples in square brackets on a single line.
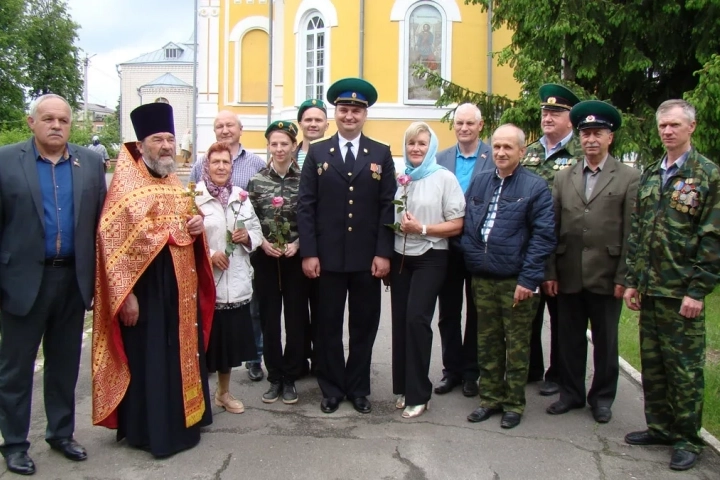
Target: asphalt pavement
[(300, 442)]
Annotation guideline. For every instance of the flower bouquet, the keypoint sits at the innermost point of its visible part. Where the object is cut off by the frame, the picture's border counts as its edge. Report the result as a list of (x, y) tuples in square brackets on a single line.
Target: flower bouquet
[(401, 206)]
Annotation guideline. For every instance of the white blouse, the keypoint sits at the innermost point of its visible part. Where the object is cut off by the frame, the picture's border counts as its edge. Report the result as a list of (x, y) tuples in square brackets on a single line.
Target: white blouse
[(434, 199)]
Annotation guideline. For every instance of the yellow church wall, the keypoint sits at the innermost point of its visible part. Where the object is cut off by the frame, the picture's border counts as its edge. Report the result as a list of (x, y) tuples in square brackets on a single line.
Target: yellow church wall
[(254, 84), (382, 55)]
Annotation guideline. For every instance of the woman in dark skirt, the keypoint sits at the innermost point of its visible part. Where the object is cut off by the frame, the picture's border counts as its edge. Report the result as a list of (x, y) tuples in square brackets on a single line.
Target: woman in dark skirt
[(233, 231)]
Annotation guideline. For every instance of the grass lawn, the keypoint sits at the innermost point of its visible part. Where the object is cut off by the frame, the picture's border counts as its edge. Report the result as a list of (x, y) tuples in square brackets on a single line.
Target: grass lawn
[(629, 345)]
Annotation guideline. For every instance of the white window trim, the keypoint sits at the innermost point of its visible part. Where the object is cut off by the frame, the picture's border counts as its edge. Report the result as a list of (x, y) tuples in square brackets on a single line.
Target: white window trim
[(308, 9), (400, 13), (236, 37)]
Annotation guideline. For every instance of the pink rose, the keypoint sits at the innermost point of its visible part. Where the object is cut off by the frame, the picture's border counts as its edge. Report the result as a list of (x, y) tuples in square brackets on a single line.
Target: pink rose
[(243, 195), (277, 202), (404, 180)]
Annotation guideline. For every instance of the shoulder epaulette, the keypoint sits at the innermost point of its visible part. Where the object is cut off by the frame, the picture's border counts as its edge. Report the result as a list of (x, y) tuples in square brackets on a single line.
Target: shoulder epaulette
[(377, 141), (318, 140)]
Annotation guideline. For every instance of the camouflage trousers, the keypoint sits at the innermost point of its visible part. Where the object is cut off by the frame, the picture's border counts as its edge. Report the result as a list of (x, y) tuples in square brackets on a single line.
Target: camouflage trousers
[(672, 353), (503, 343)]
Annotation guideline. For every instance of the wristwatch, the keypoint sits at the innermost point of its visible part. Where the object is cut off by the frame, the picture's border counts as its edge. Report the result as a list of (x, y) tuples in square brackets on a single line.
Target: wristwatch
[(424, 230)]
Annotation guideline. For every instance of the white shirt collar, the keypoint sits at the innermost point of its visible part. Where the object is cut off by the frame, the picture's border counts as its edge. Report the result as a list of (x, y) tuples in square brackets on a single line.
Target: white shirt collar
[(355, 143)]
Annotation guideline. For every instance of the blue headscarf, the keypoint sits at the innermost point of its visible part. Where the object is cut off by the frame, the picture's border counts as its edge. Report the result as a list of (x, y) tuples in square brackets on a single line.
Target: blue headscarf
[(429, 164)]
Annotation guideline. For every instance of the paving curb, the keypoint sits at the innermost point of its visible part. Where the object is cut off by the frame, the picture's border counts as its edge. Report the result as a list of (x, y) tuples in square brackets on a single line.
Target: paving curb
[(636, 377)]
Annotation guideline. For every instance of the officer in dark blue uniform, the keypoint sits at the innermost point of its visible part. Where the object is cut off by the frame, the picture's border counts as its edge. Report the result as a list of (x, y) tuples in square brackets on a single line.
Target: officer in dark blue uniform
[(346, 192)]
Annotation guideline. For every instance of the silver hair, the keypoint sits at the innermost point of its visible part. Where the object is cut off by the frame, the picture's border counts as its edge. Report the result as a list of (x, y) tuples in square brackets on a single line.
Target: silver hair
[(668, 105), (518, 131), (41, 99), (469, 106)]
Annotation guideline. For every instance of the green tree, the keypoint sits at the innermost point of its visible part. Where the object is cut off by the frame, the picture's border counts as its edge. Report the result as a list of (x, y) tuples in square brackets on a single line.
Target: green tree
[(633, 53), (12, 101), (53, 61)]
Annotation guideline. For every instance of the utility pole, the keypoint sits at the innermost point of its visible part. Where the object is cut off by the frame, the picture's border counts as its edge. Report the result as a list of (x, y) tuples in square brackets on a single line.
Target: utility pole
[(86, 64)]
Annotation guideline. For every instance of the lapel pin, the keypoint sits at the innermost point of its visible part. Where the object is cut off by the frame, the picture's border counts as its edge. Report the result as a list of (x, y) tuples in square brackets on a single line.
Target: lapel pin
[(332, 150), (76, 163), (365, 150)]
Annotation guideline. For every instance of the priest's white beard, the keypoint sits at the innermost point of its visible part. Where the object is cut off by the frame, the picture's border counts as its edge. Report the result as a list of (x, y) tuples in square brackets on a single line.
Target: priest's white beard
[(163, 165)]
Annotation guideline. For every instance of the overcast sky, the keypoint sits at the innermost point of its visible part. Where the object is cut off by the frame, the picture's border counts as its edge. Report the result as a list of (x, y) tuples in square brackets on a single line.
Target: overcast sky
[(116, 31)]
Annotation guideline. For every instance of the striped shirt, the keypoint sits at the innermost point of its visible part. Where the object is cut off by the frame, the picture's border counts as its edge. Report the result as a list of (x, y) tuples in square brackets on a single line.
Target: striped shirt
[(245, 166), (492, 211), (301, 154)]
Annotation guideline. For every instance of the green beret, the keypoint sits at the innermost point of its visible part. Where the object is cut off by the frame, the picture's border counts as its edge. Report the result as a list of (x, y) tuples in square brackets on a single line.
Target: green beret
[(557, 97), (311, 103), (595, 114), (352, 91), (286, 126)]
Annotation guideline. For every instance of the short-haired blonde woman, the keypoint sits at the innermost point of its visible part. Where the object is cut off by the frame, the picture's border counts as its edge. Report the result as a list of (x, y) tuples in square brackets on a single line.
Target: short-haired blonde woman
[(434, 211)]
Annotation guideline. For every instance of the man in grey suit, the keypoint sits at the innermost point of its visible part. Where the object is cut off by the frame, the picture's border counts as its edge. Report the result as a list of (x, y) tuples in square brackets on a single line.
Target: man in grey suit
[(460, 361), (594, 201), (51, 195)]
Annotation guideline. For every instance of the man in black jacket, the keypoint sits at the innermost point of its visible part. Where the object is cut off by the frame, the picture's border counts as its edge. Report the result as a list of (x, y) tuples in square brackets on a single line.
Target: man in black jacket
[(509, 233), (345, 202)]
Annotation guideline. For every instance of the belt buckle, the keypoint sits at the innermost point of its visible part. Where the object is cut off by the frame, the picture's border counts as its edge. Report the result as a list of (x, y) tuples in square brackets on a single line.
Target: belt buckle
[(57, 262)]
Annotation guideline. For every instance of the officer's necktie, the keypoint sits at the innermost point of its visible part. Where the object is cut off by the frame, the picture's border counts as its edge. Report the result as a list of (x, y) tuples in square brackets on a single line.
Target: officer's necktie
[(349, 157)]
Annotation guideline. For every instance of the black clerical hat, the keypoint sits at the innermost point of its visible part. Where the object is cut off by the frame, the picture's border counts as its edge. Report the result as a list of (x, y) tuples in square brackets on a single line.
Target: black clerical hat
[(152, 118)]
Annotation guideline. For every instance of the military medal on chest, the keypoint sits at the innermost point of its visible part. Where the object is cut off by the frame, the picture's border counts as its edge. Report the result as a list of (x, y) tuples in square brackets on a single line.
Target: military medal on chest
[(561, 163), (685, 198)]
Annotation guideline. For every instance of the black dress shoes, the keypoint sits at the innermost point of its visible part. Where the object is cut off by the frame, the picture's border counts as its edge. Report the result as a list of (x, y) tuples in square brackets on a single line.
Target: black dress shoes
[(482, 413), (602, 414), (20, 463), (446, 385), (645, 438), (362, 404), (510, 420), (560, 407), (683, 460), (255, 372), (470, 388), (330, 404), (549, 388), (70, 448)]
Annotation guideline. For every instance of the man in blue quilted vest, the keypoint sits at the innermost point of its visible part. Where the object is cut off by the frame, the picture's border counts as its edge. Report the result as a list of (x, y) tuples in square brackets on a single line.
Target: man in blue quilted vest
[(508, 235)]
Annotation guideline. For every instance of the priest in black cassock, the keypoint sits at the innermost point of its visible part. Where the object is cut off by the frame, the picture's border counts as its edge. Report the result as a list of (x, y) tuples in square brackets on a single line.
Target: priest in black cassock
[(154, 298)]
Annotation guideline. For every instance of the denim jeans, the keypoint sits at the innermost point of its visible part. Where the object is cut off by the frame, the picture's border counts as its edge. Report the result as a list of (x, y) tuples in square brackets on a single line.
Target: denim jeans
[(257, 328)]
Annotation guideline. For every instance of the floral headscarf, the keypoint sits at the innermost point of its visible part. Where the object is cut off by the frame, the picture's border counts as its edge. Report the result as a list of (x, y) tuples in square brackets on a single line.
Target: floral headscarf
[(221, 192)]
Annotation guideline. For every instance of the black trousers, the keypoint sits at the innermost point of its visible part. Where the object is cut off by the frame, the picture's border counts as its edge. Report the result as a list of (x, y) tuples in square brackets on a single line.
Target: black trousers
[(603, 311), (459, 354), (537, 371), (336, 377), (56, 318), (282, 288), (311, 327), (413, 294)]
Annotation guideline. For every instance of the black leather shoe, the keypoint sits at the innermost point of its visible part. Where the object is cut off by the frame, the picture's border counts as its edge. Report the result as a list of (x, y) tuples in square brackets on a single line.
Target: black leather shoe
[(602, 414), (548, 388), (255, 372), (645, 438), (560, 407), (446, 385), (20, 463), (510, 420), (683, 460), (470, 388), (481, 414), (362, 404), (329, 404), (70, 448)]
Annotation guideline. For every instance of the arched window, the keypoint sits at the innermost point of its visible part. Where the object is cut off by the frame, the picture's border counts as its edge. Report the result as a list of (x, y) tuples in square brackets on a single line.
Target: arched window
[(424, 45), (425, 39), (315, 55)]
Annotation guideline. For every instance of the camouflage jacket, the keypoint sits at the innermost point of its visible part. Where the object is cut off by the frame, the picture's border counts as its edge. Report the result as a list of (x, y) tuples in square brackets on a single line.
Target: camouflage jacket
[(674, 244), (266, 185), (547, 168)]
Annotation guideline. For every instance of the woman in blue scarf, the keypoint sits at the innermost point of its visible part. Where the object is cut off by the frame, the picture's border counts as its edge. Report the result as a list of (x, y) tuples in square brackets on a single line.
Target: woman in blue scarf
[(431, 209)]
